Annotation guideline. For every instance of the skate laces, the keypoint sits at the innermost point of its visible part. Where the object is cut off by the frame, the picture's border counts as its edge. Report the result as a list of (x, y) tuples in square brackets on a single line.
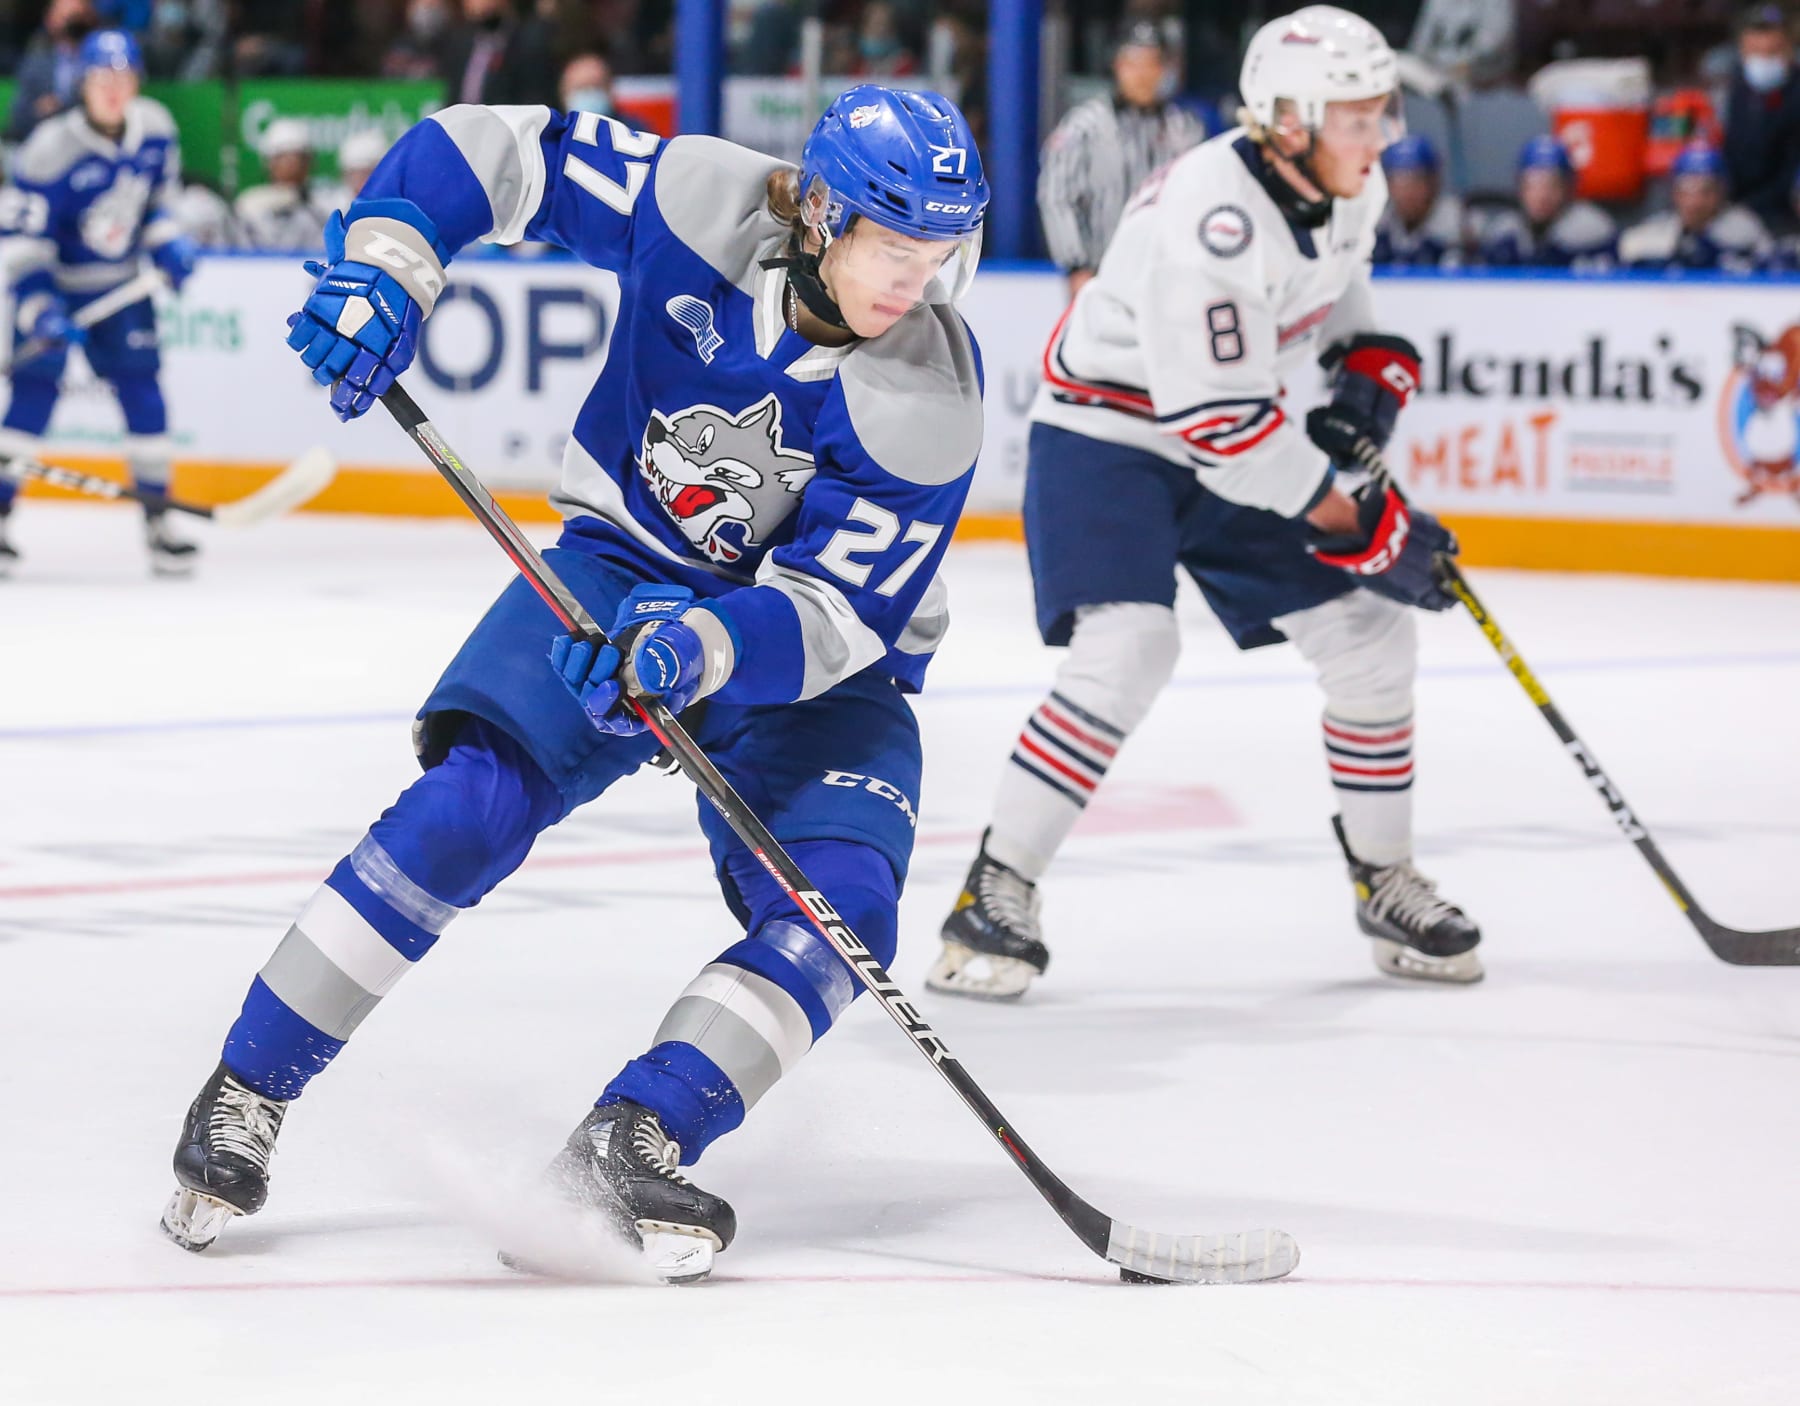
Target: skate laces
[(1405, 896), (655, 1147), (243, 1122), (1012, 900)]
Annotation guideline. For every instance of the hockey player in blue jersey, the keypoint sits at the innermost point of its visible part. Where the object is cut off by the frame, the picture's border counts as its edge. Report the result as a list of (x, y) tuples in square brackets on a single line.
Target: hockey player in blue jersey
[(84, 208), (1549, 228), (757, 494)]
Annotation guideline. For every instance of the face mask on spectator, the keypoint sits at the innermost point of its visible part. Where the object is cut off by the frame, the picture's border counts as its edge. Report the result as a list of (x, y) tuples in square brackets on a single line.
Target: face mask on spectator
[(591, 100), (1765, 72)]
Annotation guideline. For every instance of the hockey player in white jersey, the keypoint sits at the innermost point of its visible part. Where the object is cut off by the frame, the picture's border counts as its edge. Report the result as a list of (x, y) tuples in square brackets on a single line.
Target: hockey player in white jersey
[(1160, 439), (87, 203)]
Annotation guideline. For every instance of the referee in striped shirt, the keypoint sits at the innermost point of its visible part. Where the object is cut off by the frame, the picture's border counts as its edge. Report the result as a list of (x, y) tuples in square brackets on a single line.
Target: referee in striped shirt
[(1103, 150)]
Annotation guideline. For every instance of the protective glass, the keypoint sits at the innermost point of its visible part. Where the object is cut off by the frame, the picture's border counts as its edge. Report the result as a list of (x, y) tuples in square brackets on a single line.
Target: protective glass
[(1365, 123), (897, 272)]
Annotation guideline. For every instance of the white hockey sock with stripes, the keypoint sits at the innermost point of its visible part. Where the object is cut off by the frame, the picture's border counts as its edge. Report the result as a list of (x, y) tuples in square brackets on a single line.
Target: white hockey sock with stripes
[(1062, 753), (1371, 767)]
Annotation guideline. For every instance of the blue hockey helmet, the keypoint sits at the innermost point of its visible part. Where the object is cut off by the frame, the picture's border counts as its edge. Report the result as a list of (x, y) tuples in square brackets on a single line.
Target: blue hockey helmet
[(1413, 152), (1698, 159), (905, 161), (1545, 153), (110, 49)]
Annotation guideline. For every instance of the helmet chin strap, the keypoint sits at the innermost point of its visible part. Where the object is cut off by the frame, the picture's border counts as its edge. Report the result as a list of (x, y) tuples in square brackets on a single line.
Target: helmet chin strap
[(803, 277), (1302, 210)]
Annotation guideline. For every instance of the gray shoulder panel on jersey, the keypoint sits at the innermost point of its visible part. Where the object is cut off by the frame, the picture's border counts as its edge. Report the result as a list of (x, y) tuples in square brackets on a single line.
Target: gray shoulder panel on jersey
[(154, 120), (51, 150), (1582, 224), (714, 197), (500, 145), (914, 398)]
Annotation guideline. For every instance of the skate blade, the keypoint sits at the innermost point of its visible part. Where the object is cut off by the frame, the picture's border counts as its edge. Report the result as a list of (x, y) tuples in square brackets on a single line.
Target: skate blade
[(193, 1219), (1397, 959), (962, 971), (678, 1254), (176, 569)]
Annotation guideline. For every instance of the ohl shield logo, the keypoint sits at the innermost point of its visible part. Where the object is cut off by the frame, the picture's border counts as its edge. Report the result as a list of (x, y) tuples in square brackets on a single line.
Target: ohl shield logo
[(1759, 413), (724, 479)]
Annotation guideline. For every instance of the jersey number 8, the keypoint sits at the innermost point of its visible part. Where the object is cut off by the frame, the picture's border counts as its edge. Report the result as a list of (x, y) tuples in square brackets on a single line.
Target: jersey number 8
[(1227, 340)]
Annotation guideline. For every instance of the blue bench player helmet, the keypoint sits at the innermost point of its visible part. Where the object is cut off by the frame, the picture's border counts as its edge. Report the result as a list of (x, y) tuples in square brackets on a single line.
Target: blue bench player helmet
[(112, 49), (1545, 153), (906, 161)]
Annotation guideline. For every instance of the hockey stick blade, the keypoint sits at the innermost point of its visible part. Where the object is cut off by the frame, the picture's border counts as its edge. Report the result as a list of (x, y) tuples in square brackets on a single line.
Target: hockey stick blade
[(1184, 1259), (1248, 1257), (299, 483)]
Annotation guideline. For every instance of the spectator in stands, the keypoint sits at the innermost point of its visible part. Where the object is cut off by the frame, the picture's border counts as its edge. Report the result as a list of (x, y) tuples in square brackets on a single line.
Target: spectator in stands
[(186, 40), (1422, 227), (48, 78), (495, 57), (1762, 116), (880, 52), (1105, 148), (269, 37), (287, 213), (418, 50), (1550, 228), (586, 85), (1702, 231)]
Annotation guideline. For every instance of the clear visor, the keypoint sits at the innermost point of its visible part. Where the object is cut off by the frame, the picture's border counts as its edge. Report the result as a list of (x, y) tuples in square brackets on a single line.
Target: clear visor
[(893, 273), (1368, 122)]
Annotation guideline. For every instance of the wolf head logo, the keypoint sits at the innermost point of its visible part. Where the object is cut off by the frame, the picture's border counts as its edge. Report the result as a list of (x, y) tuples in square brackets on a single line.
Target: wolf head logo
[(725, 480)]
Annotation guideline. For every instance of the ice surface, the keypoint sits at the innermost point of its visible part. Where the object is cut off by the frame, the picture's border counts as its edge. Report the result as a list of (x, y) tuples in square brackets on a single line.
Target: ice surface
[(1573, 1183)]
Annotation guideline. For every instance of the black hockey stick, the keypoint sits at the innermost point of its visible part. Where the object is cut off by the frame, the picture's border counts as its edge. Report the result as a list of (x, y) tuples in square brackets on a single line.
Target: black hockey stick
[(1192, 1259), (300, 482), (1777, 948)]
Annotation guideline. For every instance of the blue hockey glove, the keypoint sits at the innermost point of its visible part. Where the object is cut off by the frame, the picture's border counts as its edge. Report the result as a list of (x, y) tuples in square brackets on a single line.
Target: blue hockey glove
[(176, 259), (1395, 550), (1373, 375), (47, 328), (359, 330), (666, 658)]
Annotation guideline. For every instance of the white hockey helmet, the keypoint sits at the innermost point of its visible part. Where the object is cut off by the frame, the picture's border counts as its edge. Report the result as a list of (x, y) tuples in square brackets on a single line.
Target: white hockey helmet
[(283, 137), (1312, 57)]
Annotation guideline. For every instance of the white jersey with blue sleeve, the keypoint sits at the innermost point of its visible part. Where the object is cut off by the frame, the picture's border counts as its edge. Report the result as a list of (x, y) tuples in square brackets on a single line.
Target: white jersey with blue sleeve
[(81, 207), (807, 492)]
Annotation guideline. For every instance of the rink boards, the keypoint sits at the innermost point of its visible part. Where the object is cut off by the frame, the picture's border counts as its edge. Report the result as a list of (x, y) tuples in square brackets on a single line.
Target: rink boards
[(1621, 424)]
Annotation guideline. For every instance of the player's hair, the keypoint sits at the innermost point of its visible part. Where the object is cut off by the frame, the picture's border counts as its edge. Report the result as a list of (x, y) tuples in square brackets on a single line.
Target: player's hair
[(784, 198)]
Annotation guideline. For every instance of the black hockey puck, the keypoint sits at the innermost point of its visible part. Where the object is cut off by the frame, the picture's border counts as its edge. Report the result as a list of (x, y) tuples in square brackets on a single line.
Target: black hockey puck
[(1131, 1276)]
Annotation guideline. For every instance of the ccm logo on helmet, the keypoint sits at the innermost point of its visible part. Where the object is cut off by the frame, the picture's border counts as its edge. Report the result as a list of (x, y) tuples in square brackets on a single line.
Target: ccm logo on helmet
[(943, 208)]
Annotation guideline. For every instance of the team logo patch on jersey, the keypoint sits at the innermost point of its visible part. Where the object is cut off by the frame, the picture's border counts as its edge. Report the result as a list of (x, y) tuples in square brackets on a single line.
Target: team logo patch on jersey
[(697, 317), (1226, 230), (724, 479)]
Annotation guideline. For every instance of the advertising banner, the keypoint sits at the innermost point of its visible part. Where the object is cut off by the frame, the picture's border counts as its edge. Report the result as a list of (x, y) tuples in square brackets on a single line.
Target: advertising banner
[(1558, 407)]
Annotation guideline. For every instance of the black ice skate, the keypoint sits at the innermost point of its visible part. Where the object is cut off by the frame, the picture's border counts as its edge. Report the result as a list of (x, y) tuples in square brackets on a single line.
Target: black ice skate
[(620, 1162), (9, 556), (992, 943), (169, 555), (1417, 934), (222, 1160)]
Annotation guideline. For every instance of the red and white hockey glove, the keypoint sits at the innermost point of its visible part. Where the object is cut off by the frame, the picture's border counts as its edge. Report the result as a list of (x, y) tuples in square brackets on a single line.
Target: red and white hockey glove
[(1373, 376), (1394, 551)]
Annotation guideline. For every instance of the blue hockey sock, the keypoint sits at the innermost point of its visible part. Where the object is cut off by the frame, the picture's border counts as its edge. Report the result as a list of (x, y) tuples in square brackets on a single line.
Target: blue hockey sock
[(451, 836), (748, 1017)]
